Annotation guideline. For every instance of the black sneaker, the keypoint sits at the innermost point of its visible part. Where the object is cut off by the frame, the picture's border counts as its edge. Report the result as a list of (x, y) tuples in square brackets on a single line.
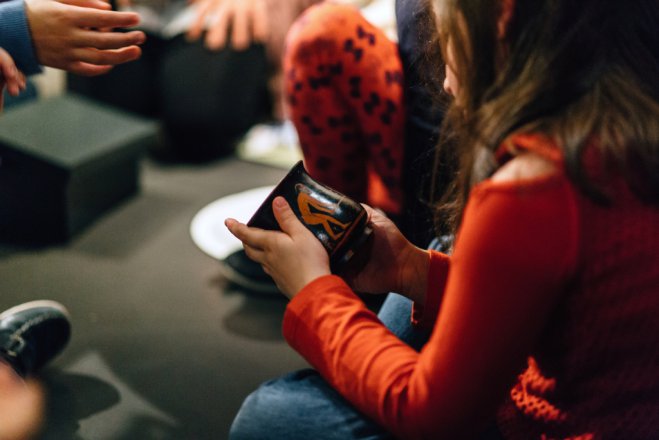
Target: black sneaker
[(238, 269), (32, 334)]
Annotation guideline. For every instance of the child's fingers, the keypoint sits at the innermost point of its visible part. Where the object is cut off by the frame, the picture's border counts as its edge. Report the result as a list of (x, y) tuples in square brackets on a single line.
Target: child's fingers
[(286, 218), (254, 254), (252, 237)]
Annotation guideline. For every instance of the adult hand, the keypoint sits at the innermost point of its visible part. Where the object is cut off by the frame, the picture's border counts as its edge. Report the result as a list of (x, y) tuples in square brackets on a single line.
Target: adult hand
[(76, 35), (247, 20), (10, 76), (293, 257), (394, 265)]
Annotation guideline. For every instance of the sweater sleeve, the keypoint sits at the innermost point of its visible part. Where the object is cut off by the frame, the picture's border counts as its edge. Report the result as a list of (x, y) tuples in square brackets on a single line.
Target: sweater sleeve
[(15, 36), (424, 316), (513, 254)]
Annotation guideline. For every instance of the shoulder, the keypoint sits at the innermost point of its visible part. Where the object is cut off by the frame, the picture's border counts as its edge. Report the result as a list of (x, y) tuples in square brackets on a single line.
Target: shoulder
[(525, 166)]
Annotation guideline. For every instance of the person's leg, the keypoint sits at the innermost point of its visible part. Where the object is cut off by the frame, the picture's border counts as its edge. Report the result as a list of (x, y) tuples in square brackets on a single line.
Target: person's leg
[(301, 406), (343, 84), (211, 98), (423, 72), (395, 314)]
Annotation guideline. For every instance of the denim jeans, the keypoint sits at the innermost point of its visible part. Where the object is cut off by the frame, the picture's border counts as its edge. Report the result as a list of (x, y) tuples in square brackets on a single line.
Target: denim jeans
[(302, 406)]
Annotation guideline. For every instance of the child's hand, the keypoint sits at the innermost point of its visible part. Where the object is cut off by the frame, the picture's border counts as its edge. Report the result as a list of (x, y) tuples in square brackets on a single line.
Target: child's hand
[(11, 77), (293, 257), (394, 265)]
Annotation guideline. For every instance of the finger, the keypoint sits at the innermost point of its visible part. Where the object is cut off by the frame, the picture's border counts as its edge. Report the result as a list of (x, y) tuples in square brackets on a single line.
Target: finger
[(253, 237), (254, 254), (22, 80), (260, 24), (11, 87), (374, 214), (199, 23), (86, 69), (240, 31), (94, 4), (7, 65), (8, 68), (368, 209), (110, 40), (107, 57), (240, 231), (216, 34), (12, 78), (93, 18), (286, 218)]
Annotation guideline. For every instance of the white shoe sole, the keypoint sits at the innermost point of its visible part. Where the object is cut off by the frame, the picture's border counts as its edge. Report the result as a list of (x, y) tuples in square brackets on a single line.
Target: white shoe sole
[(35, 304)]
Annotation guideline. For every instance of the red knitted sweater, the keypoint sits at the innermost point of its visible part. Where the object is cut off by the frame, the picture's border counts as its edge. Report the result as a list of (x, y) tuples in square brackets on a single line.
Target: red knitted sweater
[(549, 318)]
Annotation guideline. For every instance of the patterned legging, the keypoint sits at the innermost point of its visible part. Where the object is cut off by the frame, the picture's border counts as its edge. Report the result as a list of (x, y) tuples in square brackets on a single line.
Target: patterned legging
[(344, 89)]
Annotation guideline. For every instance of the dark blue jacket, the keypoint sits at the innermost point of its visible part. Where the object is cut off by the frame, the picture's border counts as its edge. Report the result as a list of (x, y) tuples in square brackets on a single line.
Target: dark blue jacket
[(15, 36)]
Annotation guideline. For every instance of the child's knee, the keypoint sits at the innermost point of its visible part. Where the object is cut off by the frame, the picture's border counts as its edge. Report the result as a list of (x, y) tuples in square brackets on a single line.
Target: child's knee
[(251, 417), (320, 25)]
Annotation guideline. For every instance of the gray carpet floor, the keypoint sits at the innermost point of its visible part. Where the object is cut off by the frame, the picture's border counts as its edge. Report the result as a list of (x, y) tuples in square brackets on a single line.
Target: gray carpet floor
[(162, 346)]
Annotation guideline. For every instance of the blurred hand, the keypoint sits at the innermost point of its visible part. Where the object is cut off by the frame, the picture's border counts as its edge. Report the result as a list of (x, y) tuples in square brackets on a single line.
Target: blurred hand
[(21, 406), (10, 77), (293, 257), (247, 20), (76, 35), (394, 264)]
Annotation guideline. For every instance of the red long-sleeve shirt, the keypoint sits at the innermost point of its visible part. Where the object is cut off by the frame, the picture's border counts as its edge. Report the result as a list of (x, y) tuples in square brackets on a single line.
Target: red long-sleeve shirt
[(549, 318)]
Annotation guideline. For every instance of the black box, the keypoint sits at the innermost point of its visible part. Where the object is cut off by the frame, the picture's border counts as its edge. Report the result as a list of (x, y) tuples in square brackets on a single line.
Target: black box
[(63, 162)]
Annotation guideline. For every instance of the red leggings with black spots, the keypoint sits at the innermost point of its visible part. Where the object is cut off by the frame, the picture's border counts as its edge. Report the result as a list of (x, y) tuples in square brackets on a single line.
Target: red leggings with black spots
[(343, 83)]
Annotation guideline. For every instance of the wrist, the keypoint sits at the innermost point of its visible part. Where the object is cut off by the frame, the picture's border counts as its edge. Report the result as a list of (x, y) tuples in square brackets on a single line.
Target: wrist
[(413, 279)]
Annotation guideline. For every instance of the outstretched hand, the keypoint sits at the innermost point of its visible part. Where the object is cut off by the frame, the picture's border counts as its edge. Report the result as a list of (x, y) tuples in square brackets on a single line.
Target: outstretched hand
[(247, 20), (293, 257), (76, 35)]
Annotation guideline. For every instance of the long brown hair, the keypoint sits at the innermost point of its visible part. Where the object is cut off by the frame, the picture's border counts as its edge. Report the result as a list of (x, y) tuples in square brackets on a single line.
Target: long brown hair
[(575, 70)]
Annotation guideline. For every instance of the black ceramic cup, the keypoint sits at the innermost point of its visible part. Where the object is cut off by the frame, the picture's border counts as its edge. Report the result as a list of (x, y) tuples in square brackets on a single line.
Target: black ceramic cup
[(338, 222)]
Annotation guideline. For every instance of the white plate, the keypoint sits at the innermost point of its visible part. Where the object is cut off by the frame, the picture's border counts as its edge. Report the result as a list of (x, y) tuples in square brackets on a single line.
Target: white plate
[(207, 227)]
